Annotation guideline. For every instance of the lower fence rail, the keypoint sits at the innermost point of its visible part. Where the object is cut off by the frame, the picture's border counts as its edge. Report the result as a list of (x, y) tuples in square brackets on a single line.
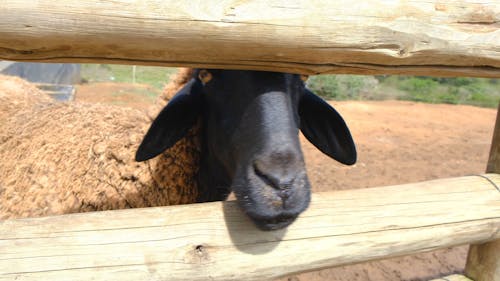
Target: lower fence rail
[(216, 241)]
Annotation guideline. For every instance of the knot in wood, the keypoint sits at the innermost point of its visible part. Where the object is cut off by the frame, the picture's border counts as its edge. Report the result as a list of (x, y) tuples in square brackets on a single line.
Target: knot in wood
[(199, 255)]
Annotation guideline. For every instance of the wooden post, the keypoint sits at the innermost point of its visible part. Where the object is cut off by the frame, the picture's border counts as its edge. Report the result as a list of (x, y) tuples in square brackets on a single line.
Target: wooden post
[(483, 261)]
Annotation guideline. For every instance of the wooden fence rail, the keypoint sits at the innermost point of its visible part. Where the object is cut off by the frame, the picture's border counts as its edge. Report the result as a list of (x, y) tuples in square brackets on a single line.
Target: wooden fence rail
[(419, 37), (215, 241)]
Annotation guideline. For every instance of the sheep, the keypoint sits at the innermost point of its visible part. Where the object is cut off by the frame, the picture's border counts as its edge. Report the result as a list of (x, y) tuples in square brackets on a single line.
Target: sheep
[(223, 131), (250, 122), (76, 157)]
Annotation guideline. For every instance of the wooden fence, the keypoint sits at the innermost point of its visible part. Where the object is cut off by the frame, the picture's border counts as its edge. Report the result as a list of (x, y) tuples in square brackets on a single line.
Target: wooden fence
[(418, 37), (214, 240)]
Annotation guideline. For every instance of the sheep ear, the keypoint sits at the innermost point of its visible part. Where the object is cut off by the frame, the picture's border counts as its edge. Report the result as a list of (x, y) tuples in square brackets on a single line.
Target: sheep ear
[(323, 126), (173, 122)]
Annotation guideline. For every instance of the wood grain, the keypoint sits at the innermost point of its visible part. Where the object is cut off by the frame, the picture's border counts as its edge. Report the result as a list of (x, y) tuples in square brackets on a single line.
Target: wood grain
[(418, 37), (215, 241)]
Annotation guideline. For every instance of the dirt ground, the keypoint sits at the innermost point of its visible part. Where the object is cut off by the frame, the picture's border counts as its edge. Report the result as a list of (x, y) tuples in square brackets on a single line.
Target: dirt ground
[(397, 142)]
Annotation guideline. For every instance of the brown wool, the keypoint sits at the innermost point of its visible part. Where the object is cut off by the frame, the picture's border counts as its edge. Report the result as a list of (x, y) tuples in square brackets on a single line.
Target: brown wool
[(76, 157)]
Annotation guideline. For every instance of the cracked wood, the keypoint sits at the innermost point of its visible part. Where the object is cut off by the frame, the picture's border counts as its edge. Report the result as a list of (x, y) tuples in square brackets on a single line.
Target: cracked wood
[(421, 37)]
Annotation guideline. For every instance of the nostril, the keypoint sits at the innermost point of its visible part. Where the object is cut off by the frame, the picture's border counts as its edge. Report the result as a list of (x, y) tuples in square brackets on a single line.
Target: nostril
[(279, 167), (267, 178), (270, 177)]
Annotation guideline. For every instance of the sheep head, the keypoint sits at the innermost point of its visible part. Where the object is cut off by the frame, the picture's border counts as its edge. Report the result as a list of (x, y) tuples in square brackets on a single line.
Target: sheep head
[(250, 141)]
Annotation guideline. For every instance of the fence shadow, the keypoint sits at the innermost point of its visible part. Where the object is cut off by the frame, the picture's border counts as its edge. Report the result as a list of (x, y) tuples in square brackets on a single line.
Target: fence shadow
[(245, 236)]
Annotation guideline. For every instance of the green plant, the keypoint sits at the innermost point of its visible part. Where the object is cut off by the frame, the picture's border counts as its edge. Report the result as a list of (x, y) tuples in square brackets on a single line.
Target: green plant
[(342, 87), (326, 86), (419, 89)]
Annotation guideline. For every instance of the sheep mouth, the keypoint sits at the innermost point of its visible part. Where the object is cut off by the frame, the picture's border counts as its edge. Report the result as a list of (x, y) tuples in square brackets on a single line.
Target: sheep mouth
[(274, 223), (268, 207)]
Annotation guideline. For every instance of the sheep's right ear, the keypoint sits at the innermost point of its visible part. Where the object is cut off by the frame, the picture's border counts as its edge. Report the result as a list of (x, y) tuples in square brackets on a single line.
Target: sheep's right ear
[(173, 122)]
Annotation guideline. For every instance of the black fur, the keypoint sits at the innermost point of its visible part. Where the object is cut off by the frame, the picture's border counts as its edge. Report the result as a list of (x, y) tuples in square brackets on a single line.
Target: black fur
[(323, 126), (250, 144)]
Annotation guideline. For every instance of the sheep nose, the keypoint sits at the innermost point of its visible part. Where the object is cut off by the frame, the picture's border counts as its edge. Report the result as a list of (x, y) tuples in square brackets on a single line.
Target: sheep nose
[(279, 169)]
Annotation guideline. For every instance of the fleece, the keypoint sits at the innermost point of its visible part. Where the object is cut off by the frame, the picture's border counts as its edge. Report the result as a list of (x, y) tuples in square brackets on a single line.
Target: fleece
[(59, 158)]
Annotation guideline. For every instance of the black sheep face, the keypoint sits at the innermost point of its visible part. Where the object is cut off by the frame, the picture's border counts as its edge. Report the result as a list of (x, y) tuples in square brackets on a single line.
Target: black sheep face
[(250, 142)]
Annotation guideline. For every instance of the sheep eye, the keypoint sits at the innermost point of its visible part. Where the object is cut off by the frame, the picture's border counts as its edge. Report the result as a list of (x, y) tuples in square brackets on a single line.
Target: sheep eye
[(205, 76), (304, 77)]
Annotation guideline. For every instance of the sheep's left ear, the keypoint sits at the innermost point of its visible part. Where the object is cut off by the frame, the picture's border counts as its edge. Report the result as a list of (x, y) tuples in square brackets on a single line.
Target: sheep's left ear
[(173, 122), (323, 126)]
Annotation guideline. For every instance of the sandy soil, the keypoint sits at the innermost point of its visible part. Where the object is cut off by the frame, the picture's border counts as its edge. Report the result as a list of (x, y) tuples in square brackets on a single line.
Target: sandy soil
[(398, 142), (402, 142)]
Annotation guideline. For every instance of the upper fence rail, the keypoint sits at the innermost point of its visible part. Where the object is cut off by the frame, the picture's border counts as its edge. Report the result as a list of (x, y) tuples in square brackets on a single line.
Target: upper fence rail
[(418, 37)]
